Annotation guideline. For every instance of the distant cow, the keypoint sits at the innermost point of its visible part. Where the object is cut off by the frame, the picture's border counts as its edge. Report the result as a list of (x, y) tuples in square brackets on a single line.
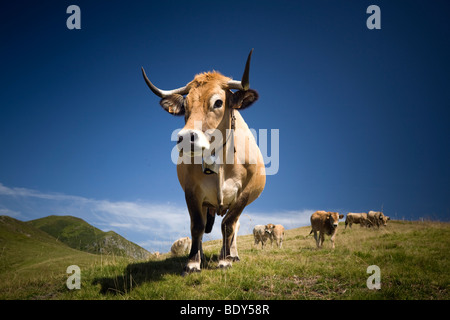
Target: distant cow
[(261, 234), (357, 218), (277, 234), (181, 246), (377, 218), (325, 223)]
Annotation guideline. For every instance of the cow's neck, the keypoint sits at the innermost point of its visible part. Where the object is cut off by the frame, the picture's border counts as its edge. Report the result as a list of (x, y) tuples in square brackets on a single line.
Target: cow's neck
[(228, 135), (227, 152), (220, 155)]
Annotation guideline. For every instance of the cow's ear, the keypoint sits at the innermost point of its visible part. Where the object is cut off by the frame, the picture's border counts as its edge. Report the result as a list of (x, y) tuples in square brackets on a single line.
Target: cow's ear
[(243, 99), (341, 216), (174, 104)]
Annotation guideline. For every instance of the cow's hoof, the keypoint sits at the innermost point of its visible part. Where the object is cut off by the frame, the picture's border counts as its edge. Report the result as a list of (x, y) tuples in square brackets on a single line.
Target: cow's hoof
[(225, 264), (191, 267), (235, 259)]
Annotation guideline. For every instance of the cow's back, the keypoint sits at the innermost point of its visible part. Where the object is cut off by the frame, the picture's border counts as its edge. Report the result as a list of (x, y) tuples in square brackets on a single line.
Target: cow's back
[(354, 217), (350, 218), (258, 231)]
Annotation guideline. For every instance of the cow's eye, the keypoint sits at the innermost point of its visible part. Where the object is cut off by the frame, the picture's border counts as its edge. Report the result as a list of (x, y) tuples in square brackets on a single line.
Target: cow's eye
[(218, 104)]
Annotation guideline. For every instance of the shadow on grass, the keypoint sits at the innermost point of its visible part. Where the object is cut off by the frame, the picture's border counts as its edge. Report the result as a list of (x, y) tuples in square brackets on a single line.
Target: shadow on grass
[(135, 274)]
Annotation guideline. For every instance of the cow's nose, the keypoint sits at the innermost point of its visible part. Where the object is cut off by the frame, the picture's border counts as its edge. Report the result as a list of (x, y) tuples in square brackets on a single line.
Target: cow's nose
[(192, 136), (192, 141)]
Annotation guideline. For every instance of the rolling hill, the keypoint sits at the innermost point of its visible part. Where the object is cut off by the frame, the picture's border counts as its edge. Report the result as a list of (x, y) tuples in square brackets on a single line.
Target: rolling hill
[(80, 235), (33, 263), (23, 246), (34, 255)]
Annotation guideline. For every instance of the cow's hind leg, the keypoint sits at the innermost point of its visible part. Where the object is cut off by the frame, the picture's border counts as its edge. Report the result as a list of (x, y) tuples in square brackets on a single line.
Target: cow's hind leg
[(233, 248), (228, 253), (322, 238), (316, 238)]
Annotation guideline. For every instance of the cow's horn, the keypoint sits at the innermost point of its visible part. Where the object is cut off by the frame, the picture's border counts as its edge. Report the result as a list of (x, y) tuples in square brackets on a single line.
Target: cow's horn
[(163, 93), (244, 84)]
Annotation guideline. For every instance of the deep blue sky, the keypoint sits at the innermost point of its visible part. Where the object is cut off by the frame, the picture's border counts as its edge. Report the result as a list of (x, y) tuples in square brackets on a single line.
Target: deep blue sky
[(363, 114)]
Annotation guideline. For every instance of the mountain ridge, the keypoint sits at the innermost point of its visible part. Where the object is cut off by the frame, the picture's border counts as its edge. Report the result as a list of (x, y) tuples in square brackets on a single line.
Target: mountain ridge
[(75, 233), (79, 234)]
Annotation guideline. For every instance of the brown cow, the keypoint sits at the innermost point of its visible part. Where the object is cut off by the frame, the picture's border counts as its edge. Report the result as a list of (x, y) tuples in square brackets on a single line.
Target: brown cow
[(216, 179), (276, 233), (357, 218), (325, 223), (378, 218)]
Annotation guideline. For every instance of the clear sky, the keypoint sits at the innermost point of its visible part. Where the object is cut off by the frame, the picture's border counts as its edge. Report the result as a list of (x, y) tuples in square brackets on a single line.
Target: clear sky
[(363, 115)]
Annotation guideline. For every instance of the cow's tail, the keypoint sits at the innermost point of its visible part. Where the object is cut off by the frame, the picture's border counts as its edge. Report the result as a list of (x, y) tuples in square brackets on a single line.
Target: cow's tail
[(310, 232), (210, 217)]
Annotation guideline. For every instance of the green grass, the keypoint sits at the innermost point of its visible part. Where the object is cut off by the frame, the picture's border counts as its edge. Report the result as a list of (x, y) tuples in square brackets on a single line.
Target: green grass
[(32, 263), (412, 256)]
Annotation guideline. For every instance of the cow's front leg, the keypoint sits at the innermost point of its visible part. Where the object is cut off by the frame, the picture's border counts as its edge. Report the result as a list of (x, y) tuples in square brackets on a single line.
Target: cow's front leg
[(333, 236), (198, 223)]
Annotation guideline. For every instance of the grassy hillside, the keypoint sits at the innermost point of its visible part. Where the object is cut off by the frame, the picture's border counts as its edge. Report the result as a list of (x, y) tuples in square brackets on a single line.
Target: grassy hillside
[(33, 263), (80, 235), (412, 256)]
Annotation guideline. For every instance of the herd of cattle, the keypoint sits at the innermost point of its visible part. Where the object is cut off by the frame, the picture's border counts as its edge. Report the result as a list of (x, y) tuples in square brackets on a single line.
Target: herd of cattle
[(322, 223)]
